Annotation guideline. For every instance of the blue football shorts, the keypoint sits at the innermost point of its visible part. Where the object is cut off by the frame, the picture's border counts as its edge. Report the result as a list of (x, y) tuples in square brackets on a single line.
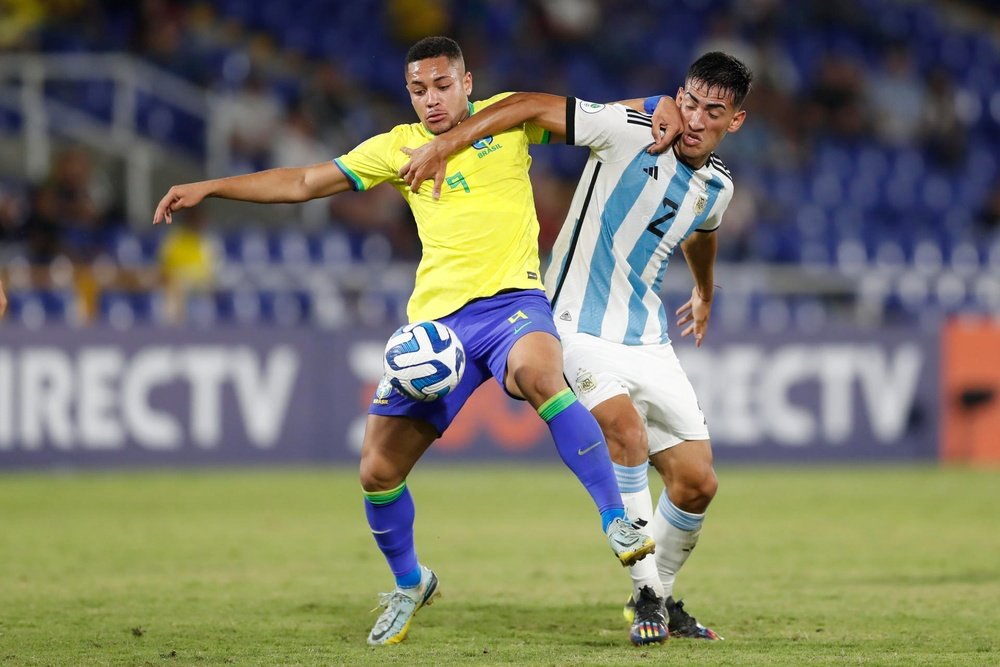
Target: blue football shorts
[(488, 329)]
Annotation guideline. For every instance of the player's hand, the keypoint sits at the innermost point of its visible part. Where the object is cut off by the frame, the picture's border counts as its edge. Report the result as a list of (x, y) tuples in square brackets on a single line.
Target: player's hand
[(667, 125), (177, 198), (425, 162), (3, 301), (695, 314)]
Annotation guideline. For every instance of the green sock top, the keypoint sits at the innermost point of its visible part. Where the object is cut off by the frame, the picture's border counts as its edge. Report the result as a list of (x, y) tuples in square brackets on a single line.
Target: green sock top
[(556, 404)]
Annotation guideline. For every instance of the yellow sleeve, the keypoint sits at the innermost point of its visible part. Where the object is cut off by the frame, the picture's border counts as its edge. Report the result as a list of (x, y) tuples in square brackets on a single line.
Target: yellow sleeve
[(368, 164)]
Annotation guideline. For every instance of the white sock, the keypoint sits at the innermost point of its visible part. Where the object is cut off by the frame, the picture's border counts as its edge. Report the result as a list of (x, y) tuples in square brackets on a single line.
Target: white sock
[(676, 533), (633, 481)]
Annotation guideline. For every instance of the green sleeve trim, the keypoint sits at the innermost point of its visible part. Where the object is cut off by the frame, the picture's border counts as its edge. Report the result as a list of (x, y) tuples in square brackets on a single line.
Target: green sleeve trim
[(556, 404), (359, 186), (546, 136), (385, 497)]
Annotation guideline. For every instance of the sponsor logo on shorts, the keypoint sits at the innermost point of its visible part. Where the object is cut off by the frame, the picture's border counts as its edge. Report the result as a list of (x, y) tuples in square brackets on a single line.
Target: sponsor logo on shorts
[(585, 381), (382, 392), (566, 317)]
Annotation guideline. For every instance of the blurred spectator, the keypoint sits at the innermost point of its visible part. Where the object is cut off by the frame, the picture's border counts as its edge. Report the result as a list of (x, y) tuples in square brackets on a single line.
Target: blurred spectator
[(410, 20), (18, 22), (295, 144), (723, 35), (186, 261), (249, 117), (835, 103), (69, 213), (571, 20), (896, 97), (329, 99), (944, 132)]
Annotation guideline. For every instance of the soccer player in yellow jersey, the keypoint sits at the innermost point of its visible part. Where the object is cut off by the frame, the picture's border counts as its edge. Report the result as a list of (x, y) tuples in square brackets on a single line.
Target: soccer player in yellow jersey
[(479, 274)]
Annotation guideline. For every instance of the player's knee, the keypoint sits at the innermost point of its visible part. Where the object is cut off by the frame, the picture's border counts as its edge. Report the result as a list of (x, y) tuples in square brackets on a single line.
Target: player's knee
[(537, 385), (708, 486), (694, 488), (375, 476)]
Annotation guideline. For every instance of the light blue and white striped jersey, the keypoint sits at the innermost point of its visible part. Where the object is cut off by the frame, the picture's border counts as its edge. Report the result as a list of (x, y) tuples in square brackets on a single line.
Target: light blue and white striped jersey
[(630, 211)]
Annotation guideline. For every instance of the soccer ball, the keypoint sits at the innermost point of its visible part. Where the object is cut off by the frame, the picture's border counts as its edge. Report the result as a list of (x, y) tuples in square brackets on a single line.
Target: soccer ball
[(424, 360)]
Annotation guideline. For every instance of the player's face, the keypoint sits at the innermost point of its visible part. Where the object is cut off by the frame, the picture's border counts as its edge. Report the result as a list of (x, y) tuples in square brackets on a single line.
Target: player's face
[(709, 114), (439, 92)]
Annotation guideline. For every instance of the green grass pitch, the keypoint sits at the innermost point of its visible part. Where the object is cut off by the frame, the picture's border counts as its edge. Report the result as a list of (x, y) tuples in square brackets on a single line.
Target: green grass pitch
[(796, 566)]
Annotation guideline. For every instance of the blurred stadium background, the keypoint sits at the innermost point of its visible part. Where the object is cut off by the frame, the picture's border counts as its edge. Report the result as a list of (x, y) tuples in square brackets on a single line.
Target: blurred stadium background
[(860, 261)]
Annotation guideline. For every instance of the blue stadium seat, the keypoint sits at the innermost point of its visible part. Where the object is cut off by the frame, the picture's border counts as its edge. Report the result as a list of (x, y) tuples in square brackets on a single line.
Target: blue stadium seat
[(37, 308), (124, 310)]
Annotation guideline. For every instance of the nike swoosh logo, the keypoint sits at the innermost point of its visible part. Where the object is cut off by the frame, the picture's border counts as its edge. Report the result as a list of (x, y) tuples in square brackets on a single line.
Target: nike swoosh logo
[(518, 329), (379, 635), (381, 532), (581, 452)]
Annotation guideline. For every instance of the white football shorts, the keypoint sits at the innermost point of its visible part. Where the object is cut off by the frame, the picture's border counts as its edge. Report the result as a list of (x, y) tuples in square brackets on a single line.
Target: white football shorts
[(650, 375)]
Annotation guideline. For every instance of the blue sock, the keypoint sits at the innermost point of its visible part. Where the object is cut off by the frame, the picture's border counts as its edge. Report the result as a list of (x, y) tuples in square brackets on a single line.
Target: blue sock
[(390, 516), (582, 448)]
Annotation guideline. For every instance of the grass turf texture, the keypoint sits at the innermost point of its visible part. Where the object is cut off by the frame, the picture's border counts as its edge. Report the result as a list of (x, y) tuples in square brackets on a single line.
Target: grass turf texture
[(874, 566)]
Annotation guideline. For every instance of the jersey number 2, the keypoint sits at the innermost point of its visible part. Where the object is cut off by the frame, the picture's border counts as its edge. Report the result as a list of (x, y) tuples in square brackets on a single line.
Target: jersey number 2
[(653, 225)]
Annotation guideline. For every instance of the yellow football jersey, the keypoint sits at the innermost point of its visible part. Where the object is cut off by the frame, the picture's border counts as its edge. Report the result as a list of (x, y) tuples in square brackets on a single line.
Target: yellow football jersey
[(481, 236)]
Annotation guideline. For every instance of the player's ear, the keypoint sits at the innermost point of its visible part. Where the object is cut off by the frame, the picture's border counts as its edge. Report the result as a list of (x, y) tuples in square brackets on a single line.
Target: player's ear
[(680, 95), (467, 83), (737, 121)]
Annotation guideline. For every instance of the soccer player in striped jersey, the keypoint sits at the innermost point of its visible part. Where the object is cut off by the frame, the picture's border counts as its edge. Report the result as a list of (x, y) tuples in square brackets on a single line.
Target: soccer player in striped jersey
[(479, 274), (631, 210)]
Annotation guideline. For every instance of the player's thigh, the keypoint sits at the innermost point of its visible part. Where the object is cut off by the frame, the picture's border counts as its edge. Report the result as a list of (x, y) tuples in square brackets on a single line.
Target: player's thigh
[(521, 344), (665, 396), (391, 447), (534, 369)]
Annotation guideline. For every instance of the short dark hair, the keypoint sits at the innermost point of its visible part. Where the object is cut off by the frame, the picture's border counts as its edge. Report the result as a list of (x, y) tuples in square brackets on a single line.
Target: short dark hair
[(723, 72), (434, 47)]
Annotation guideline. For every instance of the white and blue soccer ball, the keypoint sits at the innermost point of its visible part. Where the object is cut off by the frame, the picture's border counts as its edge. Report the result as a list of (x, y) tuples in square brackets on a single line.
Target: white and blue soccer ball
[(424, 360)]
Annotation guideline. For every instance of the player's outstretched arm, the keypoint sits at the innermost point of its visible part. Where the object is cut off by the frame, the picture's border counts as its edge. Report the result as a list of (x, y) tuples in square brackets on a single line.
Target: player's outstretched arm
[(699, 251), (667, 121), (430, 160), (284, 185), (3, 301)]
